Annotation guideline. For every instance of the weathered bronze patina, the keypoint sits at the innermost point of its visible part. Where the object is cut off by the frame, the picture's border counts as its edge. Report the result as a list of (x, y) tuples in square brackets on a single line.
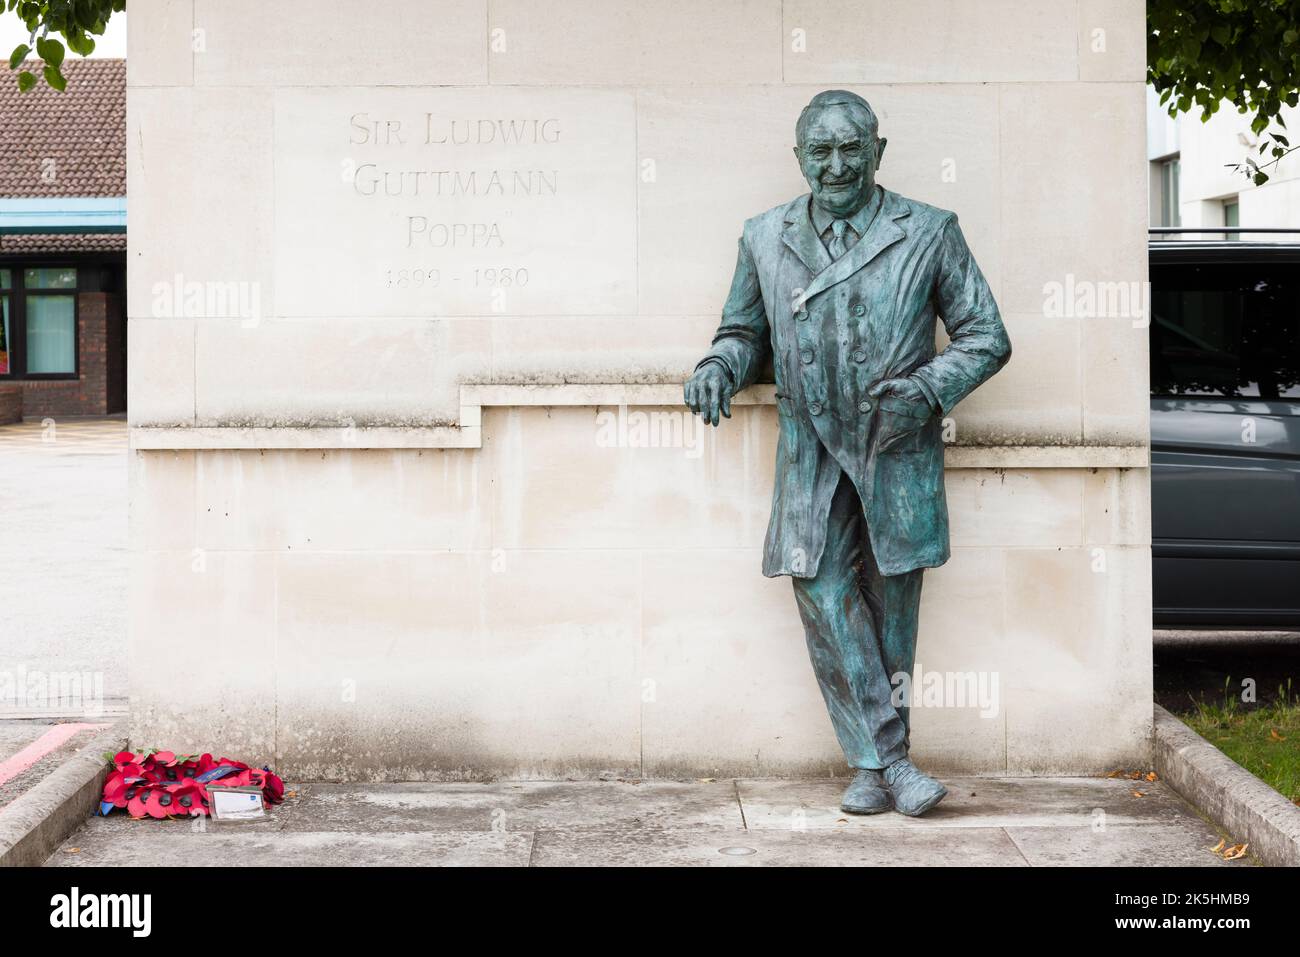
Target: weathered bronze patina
[(842, 288)]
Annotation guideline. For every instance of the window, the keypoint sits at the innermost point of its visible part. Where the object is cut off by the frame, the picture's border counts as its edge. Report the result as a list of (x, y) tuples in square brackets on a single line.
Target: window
[(38, 335), (1169, 211), (1226, 329), (1231, 216)]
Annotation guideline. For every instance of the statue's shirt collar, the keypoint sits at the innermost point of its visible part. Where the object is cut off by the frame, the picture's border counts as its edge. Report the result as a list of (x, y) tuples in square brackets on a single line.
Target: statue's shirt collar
[(859, 222)]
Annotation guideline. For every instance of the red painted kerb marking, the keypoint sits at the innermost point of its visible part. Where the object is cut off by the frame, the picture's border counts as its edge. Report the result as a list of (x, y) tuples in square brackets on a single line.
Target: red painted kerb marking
[(56, 737)]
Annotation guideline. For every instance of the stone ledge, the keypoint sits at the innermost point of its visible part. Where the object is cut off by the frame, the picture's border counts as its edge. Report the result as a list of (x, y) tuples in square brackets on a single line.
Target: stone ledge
[(1243, 805), (34, 824), (474, 398)]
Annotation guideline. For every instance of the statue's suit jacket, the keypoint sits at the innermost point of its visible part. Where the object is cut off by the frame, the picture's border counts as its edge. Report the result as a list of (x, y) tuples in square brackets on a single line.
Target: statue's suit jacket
[(833, 330)]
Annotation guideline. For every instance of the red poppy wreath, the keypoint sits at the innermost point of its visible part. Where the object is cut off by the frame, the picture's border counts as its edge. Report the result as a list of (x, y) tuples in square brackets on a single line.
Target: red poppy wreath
[(163, 784)]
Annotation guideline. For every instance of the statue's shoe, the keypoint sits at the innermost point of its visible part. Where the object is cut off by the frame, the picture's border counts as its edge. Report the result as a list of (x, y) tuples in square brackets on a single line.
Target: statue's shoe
[(866, 794), (914, 791)]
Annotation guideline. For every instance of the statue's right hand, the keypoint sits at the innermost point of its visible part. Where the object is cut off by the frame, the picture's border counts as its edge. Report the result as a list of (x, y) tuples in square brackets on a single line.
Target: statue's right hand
[(708, 393)]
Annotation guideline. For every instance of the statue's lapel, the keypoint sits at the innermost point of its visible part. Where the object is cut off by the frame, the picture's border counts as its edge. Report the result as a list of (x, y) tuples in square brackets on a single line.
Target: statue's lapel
[(801, 236), (883, 233)]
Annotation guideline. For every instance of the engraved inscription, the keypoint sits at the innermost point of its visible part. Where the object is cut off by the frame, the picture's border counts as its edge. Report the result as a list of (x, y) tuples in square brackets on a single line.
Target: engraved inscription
[(455, 202)]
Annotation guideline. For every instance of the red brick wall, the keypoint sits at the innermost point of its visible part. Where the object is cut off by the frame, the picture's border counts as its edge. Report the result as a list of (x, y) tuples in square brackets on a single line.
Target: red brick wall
[(11, 402), (100, 387)]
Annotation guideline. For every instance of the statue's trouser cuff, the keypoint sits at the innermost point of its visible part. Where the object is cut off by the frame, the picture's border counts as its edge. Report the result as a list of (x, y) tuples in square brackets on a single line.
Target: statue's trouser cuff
[(861, 630)]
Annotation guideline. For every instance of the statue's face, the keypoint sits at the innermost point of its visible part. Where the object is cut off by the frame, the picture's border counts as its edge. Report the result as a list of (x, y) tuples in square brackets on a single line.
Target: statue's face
[(839, 159)]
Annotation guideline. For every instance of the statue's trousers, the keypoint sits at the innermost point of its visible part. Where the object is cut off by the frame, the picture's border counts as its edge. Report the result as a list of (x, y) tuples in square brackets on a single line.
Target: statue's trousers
[(861, 630)]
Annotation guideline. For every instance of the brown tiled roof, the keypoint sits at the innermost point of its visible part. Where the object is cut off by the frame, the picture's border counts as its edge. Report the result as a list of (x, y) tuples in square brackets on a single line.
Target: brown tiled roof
[(62, 242), (76, 138)]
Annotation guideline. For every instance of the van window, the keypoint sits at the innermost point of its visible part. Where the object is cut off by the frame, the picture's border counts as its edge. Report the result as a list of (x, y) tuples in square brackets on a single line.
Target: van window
[(1226, 329)]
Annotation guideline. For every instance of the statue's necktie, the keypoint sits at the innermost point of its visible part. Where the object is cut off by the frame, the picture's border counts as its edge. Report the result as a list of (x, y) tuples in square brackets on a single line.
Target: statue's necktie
[(836, 247)]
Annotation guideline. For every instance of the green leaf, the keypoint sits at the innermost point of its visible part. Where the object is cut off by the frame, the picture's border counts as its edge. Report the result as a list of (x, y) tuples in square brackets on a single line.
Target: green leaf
[(19, 54), (79, 43), (55, 79), (51, 51), (26, 81), (1260, 178)]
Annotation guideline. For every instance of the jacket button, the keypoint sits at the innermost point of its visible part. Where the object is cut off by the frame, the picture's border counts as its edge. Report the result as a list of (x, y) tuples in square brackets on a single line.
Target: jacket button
[(806, 357), (864, 406), (859, 309), (801, 315), (859, 355), (815, 408)]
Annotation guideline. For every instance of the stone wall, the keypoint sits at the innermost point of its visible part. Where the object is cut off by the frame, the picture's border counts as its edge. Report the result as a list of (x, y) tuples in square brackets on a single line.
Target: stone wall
[(412, 495)]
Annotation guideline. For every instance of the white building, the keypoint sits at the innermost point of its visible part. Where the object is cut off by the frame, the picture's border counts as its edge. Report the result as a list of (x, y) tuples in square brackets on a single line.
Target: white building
[(1193, 182)]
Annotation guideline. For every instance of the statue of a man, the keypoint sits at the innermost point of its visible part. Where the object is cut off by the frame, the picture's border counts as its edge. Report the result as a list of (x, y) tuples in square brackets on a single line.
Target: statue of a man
[(841, 288)]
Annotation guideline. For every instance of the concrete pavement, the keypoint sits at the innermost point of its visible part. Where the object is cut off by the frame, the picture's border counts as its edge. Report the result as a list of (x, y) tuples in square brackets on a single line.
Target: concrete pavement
[(1013, 822)]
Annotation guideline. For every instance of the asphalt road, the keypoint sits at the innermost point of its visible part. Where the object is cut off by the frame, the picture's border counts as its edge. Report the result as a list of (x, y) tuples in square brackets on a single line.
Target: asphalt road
[(63, 568), (1195, 664)]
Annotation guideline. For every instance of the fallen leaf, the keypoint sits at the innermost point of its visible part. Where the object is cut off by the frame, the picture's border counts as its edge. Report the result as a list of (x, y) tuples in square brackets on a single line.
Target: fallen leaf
[(843, 820), (1272, 733), (1139, 794), (1220, 846), (1151, 776), (1234, 852), (706, 780), (72, 850)]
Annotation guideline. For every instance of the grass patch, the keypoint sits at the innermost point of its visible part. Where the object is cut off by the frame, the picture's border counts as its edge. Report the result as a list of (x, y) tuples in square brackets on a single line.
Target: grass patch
[(1264, 740)]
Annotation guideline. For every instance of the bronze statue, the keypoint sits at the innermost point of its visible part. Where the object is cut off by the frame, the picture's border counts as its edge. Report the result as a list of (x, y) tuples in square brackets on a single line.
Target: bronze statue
[(841, 288)]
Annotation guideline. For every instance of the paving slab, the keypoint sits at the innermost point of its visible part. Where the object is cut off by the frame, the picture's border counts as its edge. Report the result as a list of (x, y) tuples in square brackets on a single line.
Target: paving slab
[(973, 802), (224, 846), (1010, 822), (971, 847), (517, 805), (1122, 845)]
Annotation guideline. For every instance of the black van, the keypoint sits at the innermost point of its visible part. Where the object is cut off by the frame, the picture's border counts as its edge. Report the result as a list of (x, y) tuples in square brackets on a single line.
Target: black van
[(1225, 432)]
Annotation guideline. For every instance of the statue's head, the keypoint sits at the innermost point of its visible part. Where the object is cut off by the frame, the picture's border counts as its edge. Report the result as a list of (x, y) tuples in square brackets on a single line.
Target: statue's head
[(839, 150)]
